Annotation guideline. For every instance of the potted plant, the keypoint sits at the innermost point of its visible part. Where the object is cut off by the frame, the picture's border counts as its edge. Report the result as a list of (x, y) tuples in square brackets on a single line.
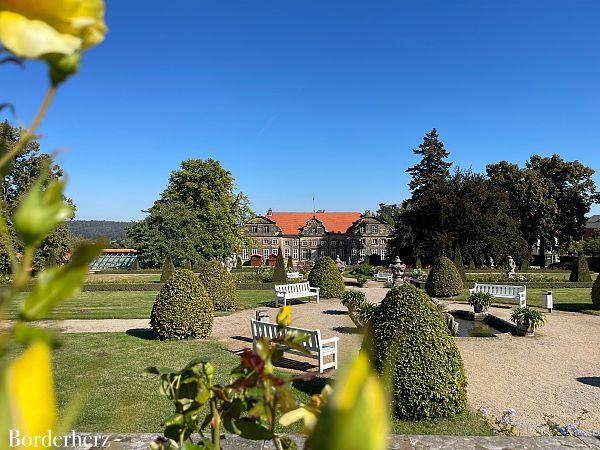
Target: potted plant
[(480, 301), (527, 320)]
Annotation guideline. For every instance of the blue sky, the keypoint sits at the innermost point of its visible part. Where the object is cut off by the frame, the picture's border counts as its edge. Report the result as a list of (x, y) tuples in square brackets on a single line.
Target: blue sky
[(296, 97)]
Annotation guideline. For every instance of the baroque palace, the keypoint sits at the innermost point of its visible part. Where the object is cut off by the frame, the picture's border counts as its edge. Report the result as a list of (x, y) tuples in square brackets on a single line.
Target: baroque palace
[(307, 236)]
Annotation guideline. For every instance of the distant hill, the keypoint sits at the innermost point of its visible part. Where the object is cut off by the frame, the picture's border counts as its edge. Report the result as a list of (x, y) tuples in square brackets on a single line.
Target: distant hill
[(107, 229)]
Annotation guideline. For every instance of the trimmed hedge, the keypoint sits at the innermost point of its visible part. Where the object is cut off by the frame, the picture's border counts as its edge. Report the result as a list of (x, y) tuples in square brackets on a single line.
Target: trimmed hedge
[(545, 285), (443, 279), (327, 276), (220, 285), (182, 308), (581, 271), (428, 375)]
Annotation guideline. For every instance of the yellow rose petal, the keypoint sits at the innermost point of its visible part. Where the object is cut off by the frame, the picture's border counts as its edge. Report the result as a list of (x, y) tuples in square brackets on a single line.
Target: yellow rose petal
[(33, 38), (31, 391)]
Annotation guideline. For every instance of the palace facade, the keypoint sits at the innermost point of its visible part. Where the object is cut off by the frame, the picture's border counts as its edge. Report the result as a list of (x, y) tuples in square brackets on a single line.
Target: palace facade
[(307, 236)]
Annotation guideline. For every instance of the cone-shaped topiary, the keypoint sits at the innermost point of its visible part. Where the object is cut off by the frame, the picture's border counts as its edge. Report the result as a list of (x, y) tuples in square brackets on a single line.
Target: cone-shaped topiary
[(187, 264), (220, 285), (418, 264), (290, 263), (444, 279), (279, 273), (326, 275), (471, 264), (459, 264), (411, 336), (239, 263), (580, 272), (596, 293), (167, 270), (135, 265), (182, 308)]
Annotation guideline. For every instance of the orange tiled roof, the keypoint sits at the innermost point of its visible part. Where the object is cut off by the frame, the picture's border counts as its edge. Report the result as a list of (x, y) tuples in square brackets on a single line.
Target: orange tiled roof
[(118, 250), (335, 222)]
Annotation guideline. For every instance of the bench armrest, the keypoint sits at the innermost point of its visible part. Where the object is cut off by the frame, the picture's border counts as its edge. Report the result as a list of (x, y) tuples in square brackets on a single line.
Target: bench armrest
[(315, 289), (328, 341)]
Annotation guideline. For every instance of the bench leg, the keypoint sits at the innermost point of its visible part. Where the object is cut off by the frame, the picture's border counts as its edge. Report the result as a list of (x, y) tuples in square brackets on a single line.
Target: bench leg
[(321, 362)]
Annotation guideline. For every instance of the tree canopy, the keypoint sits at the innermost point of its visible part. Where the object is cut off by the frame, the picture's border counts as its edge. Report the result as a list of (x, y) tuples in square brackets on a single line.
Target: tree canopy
[(198, 217)]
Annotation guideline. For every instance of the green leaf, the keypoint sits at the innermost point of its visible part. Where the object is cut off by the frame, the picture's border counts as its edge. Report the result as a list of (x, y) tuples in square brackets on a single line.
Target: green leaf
[(41, 210), (57, 284), (249, 429)]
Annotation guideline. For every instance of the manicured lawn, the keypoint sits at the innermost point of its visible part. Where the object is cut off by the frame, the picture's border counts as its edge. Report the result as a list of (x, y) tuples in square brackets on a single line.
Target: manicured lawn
[(130, 304), (107, 370), (572, 299)]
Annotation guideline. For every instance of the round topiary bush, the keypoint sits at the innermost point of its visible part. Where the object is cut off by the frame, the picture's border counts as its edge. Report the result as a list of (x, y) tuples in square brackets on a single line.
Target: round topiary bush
[(220, 285), (443, 280), (326, 275), (182, 308), (410, 337), (596, 293)]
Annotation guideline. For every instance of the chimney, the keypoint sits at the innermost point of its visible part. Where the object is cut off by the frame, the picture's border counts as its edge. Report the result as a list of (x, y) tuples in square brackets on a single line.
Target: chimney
[(368, 213), (269, 212)]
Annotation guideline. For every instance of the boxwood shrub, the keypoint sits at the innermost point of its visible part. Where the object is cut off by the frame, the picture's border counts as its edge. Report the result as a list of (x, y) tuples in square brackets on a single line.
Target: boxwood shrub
[(411, 340), (326, 275), (220, 285), (596, 293), (182, 308), (444, 279), (581, 271)]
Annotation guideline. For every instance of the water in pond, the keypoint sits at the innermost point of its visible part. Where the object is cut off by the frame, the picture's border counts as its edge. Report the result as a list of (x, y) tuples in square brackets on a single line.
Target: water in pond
[(474, 328)]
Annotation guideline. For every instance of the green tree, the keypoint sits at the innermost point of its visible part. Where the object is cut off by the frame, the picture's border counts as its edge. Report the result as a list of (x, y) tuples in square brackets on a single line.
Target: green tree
[(290, 263), (167, 270), (433, 166), (550, 197), (187, 264), (199, 216), (279, 273), (135, 265), (238, 264), (580, 272), (591, 245), (26, 167)]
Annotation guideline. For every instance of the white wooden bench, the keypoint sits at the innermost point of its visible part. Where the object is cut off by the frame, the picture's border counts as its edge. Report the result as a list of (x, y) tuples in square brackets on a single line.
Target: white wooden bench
[(517, 293), (294, 276), (319, 348), (287, 292), (383, 276)]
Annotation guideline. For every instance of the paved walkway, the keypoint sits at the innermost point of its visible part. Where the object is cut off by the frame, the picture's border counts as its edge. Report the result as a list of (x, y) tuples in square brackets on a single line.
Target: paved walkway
[(556, 372)]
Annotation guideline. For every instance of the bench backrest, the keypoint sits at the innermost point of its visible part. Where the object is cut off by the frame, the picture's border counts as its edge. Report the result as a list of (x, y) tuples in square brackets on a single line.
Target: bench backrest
[(293, 274), (270, 330), (500, 289), (293, 288)]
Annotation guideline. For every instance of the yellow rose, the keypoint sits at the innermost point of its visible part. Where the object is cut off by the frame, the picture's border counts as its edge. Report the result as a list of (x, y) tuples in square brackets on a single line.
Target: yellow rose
[(36, 28), (31, 391), (284, 318)]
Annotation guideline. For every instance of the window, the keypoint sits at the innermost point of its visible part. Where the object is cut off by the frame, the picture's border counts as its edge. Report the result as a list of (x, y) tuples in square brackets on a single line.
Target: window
[(382, 254), (332, 253), (304, 243), (265, 253), (304, 253), (265, 241), (362, 229), (374, 251), (362, 241), (245, 253), (362, 252), (287, 252), (375, 229), (314, 243), (354, 251), (323, 243), (334, 243), (266, 228), (323, 252), (373, 241), (275, 241), (254, 229), (382, 241), (275, 251), (314, 230), (295, 253), (287, 242), (255, 251), (295, 242)]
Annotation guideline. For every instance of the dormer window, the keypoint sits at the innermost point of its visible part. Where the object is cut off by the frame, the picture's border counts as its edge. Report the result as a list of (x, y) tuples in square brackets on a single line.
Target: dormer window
[(375, 229), (266, 228), (314, 230), (254, 229), (362, 229)]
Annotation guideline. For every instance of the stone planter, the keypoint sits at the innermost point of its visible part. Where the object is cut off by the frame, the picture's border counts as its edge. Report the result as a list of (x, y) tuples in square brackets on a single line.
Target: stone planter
[(524, 329)]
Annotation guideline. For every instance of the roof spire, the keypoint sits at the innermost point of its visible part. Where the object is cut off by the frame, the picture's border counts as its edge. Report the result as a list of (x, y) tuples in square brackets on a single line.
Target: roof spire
[(313, 204)]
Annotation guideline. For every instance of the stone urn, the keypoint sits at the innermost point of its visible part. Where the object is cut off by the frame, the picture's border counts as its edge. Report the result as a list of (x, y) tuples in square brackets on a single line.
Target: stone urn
[(397, 268), (341, 265)]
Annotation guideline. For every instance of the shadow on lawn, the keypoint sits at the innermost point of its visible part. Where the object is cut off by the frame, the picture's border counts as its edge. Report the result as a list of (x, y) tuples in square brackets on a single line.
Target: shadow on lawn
[(146, 334), (573, 307), (311, 387)]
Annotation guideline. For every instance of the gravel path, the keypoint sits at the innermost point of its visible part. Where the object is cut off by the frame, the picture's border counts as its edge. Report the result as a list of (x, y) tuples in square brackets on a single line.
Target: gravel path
[(556, 372)]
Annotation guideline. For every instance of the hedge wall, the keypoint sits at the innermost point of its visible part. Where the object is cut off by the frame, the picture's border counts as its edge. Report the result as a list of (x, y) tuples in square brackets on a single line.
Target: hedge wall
[(155, 287)]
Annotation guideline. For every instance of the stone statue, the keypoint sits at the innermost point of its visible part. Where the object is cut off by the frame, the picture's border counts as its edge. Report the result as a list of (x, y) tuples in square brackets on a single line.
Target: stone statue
[(398, 268), (491, 262), (341, 265), (228, 264), (512, 268)]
